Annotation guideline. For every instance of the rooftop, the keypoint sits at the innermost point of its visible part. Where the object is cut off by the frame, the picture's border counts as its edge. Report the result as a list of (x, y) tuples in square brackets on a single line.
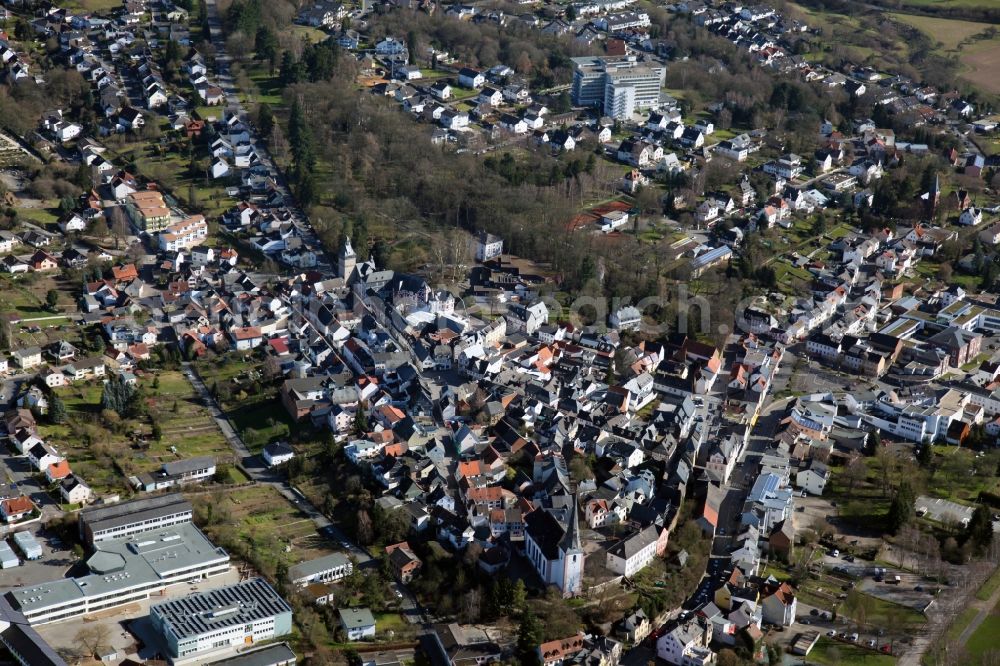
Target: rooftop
[(234, 605)]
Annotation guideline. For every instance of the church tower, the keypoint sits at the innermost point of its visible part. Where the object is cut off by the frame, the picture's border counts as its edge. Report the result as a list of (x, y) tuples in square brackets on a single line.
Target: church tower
[(572, 555), (347, 261)]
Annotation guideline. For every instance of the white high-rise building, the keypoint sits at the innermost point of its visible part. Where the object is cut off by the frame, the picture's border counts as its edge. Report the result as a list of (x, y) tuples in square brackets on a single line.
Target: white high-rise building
[(619, 86)]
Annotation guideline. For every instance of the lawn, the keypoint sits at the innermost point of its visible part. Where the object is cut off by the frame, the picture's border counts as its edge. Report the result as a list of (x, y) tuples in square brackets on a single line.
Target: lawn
[(984, 638), (888, 614), (266, 418), (269, 87), (309, 34), (833, 653), (958, 625), (989, 587), (43, 217)]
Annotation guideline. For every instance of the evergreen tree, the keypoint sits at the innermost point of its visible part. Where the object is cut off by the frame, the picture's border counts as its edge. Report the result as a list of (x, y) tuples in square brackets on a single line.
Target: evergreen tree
[(290, 72), (529, 637), (360, 426), (901, 507), (173, 52), (979, 532), (925, 455), (119, 397), (266, 43), (265, 119), (307, 188), (57, 409)]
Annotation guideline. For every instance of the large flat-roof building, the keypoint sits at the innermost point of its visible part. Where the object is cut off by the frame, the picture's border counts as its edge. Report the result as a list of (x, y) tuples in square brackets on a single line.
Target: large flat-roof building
[(114, 521), (122, 571), (325, 569), (22, 642), (219, 620), (618, 85)]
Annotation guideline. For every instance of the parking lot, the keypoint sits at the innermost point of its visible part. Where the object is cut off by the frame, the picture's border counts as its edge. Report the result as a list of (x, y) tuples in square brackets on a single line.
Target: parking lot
[(912, 591), (943, 511), (56, 560)]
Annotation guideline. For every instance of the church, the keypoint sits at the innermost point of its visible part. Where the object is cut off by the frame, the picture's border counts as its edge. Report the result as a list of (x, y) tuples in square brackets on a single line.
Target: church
[(554, 550)]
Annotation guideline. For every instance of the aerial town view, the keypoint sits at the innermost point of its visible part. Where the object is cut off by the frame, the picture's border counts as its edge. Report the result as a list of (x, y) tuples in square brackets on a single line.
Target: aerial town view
[(521, 332)]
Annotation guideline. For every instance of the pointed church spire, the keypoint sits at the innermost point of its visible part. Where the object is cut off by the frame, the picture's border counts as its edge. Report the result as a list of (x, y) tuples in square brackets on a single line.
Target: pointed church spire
[(571, 538)]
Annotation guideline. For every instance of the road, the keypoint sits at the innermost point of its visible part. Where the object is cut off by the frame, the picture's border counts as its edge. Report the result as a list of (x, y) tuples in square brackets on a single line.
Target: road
[(254, 466), (225, 81)]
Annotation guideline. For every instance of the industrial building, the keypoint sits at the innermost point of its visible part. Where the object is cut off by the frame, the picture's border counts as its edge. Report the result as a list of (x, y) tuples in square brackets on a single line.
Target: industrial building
[(8, 558), (114, 521), (123, 571), (28, 545), (619, 86), (237, 615)]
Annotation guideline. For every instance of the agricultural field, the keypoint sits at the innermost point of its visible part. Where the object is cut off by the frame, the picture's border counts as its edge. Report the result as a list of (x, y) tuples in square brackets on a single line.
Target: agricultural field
[(10, 153), (982, 62), (966, 40), (268, 525), (188, 429)]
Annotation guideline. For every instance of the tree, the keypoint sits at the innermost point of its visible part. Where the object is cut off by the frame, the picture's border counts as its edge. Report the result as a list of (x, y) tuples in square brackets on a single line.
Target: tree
[(52, 298), (901, 507), (728, 657), (5, 332), (57, 409), (979, 532), (360, 425), (266, 43), (93, 638), (529, 637), (119, 224), (118, 397), (855, 472), (265, 120), (364, 531), (944, 272)]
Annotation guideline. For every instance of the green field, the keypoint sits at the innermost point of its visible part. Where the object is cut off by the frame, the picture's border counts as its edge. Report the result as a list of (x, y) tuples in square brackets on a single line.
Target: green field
[(961, 621), (984, 638), (833, 653), (989, 587)]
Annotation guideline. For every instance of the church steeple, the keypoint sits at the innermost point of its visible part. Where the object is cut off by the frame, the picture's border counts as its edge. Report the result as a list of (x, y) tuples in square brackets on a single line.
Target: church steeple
[(347, 261), (571, 538), (571, 555)]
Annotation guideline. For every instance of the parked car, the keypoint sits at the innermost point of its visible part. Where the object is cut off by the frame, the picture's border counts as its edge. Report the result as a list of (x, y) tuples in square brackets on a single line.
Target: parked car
[(853, 637)]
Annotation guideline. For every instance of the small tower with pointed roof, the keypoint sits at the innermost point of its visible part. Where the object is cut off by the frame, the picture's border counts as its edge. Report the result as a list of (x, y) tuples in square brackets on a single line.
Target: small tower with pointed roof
[(572, 555), (347, 261)]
